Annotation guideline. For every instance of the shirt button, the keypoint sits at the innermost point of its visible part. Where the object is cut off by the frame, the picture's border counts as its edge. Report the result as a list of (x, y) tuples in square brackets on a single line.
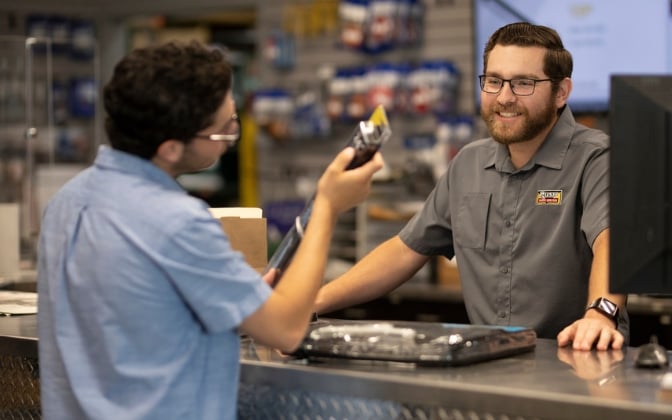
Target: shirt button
[(504, 270), (507, 223)]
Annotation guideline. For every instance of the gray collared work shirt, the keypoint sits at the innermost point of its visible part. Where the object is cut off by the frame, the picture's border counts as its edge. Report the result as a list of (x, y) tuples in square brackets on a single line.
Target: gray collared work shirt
[(522, 238)]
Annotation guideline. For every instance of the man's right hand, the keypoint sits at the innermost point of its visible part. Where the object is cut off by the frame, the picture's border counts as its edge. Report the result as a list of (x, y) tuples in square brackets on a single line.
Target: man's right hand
[(344, 189)]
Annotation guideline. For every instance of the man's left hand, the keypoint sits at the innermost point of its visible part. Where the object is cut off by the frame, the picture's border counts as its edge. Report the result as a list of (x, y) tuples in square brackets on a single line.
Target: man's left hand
[(594, 330)]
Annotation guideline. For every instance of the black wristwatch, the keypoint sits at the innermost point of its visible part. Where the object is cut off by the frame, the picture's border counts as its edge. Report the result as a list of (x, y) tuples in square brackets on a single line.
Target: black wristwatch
[(605, 307)]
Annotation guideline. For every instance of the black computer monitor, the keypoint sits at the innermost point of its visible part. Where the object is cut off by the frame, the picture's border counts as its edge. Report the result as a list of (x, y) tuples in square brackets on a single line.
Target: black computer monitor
[(640, 127)]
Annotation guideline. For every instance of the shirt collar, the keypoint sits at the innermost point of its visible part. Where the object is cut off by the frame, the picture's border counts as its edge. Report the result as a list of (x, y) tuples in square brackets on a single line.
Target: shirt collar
[(551, 153), (117, 160)]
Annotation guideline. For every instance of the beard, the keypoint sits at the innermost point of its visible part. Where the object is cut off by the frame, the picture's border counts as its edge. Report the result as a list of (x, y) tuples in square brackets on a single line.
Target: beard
[(532, 124)]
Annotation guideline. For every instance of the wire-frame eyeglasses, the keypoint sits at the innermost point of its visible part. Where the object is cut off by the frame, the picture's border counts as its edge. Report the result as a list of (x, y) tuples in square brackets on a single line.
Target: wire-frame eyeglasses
[(230, 134), (519, 86)]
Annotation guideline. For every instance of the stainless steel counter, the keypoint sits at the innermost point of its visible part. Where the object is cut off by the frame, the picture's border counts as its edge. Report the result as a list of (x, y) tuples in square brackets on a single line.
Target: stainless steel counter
[(546, 383), (18, 336)]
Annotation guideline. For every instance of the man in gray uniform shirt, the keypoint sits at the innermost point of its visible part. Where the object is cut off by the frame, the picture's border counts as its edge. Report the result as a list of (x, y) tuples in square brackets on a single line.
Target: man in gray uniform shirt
[(525, 212)]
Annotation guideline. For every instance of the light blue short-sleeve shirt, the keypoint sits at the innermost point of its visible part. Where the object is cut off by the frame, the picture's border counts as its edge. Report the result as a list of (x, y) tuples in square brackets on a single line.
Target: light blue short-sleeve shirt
[(140, 297)]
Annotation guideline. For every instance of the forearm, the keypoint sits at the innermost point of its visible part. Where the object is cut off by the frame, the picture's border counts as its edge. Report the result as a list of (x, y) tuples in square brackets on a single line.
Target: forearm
[(596, 329), (598, 285), (282, 320), (306, 270), (379, 272)]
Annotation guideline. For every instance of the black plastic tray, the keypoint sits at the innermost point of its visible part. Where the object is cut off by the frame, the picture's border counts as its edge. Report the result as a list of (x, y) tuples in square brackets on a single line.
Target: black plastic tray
[(425, 343)]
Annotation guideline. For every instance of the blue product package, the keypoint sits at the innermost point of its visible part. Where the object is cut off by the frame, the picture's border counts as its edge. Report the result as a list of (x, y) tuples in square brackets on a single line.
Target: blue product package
[(82, 97), (83, 38)]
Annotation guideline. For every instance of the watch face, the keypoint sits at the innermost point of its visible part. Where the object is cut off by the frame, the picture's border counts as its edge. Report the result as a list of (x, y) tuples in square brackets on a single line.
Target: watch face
[(605, 306), (608, 306)]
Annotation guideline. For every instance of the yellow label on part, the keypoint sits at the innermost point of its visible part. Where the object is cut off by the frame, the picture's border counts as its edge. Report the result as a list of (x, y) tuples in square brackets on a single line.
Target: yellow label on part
[(379, 117)]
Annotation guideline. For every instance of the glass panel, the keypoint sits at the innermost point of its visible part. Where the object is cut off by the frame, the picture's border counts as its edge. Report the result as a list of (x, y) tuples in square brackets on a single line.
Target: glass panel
[(26, 129)]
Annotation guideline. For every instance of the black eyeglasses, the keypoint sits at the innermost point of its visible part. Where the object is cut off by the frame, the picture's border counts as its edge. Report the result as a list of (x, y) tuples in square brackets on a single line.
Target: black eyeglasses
[(520, 87), (230, 134)]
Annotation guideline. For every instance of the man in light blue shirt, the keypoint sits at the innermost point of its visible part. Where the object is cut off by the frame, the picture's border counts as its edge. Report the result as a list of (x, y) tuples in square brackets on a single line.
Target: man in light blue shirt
[(141, 298)]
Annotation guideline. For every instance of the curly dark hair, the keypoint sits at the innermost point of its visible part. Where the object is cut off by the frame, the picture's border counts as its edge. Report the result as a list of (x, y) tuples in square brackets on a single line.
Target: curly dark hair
[(557, 62), (170, 91)]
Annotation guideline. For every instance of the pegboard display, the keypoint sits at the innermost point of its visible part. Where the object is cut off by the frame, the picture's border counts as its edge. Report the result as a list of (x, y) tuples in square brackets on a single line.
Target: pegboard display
[(447, 35), (289, 165)]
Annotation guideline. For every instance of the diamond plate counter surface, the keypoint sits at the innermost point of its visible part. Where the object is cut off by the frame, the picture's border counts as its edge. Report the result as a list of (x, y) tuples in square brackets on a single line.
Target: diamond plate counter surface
[(20, 388), (259, 402)]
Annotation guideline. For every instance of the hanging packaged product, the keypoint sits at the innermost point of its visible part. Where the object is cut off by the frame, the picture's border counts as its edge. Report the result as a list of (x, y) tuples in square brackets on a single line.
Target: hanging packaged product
[(402, 96), (409, 22), (447, 80), (421, 89), (59, 32), (461, 133), (82, 97), (356, 105), (310, 120), (83, 36), (279, 50), (433, 87), (353, 16), (339, 88), (382, 80), (452, 133), (367, 138), (272, 110), (380, 31)]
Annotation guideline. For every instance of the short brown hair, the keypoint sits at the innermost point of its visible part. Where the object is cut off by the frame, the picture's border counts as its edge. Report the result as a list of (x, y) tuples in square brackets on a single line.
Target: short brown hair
[(168, 91), (557, 62)]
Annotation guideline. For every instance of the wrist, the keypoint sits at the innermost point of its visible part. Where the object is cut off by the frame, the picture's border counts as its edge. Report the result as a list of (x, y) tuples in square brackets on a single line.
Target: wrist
[(326, 209), (606, 308)]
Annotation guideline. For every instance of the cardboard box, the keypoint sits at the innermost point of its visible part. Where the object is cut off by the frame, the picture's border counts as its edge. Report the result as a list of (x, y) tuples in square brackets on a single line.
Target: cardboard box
[(246, 229), (10, 258)]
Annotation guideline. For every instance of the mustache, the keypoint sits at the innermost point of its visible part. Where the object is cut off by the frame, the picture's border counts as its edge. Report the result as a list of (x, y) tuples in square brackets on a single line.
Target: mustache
[(500, 109)]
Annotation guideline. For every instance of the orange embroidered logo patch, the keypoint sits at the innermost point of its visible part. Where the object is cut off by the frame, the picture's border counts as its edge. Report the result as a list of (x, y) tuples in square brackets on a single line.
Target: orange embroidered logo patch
[(549, 197)]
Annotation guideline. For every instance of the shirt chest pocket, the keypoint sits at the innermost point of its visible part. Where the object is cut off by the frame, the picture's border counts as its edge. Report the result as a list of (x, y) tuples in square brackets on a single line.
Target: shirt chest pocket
[(471, 220)]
